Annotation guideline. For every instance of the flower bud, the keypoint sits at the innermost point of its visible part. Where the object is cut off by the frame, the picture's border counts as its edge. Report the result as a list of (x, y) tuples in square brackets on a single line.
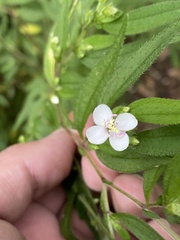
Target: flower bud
[(134, 141), (81, 51), (174, 207), (106, 14)]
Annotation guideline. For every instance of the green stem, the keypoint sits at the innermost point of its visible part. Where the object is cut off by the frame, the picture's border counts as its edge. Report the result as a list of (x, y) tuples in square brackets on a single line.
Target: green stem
[(104, 201), (154, 204), (72, 8), (167, 229), (123, 192), (95, 216)]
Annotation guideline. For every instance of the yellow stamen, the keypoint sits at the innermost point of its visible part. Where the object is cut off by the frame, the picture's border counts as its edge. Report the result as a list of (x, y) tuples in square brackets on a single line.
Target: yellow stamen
[(112, 127)]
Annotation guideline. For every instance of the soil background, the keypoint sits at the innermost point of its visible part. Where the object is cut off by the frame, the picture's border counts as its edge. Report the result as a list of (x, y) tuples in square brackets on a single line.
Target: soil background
[(161, 80)]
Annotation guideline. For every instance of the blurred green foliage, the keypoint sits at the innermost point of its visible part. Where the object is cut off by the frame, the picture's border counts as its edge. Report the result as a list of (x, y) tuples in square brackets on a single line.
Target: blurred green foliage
[(24, 29), (26, 112)]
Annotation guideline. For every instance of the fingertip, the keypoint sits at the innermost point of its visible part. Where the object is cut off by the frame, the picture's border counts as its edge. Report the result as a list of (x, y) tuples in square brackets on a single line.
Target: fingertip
[(132, 184)]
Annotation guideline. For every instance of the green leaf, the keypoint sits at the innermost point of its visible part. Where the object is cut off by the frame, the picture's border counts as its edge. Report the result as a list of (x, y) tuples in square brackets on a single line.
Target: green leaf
[(62, 23), (99, 41), (15, 2), (146, 18), (3, 101), (156, 110), (138, 227), (34, 103), (92, 58), (171, 194), (85, 10), (123, 233), (150, 177), (156, 15), (31, 13), (128, 161), (108, 81), (150, 214), (51, 8), (89, 95), (162, 141)]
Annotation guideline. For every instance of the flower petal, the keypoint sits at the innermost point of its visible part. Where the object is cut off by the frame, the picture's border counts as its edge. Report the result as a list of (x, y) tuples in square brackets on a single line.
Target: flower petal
[(101, 114), (97, 134), (119, 143), (126, 122)]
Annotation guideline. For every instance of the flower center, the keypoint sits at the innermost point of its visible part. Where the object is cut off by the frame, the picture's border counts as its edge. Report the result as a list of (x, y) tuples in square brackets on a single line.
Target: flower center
[(112, 127)]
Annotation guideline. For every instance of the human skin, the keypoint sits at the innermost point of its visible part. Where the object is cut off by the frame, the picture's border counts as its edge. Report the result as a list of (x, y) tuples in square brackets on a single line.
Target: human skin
[(31, 196)]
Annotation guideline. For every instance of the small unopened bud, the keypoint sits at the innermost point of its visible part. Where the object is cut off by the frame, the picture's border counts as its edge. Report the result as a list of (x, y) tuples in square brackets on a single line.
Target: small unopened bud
[(83, 49), (21, 139), (174, 207), (93, 147), (110, 11), (125, 109), (134, 141), (121, 109), (107, 13)]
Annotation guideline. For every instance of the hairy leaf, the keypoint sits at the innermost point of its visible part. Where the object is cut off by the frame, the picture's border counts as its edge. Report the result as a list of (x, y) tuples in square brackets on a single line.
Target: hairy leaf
[(114, 75), (128, 160), (171, 182), (138, 227), (150, 178), (156, 110), (99, 41), (160, 141), (146, 18), (122, 232), (89, 95)]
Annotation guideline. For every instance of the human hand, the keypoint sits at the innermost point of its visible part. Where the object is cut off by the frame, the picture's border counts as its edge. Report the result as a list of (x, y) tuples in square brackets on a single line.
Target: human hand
[(31, 198), (30, 195)]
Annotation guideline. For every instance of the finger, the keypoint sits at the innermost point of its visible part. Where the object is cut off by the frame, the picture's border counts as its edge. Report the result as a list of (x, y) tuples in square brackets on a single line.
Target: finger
[(39, 223), (80, 228), (53, 200), (154, 224), (133, 185), (91, 178), (28, 170), (8, 231)]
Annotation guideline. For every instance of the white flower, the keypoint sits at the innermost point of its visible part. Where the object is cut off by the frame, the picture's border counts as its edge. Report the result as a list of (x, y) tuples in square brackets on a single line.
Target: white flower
[(109, 126)]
